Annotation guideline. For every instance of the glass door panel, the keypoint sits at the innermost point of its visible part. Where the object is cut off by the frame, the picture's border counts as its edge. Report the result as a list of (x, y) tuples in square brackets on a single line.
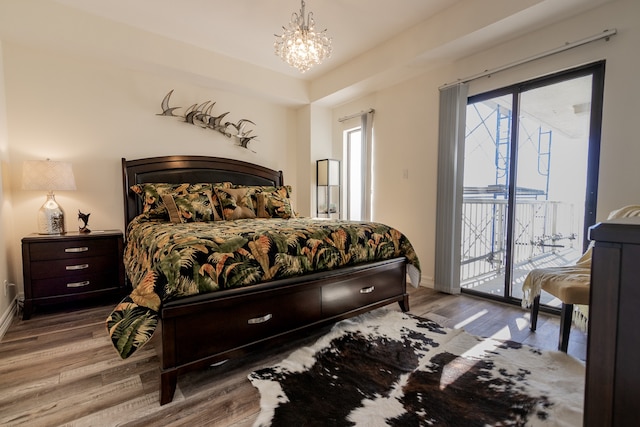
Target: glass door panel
[(552, 160), (485, 199), (524, 191)]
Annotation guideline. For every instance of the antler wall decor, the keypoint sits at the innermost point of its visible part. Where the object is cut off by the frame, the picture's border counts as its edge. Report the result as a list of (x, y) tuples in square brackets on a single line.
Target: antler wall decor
[(200, 115)]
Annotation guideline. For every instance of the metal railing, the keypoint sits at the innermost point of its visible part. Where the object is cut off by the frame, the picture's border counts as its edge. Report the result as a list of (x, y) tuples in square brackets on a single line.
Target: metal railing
[(541, 228)]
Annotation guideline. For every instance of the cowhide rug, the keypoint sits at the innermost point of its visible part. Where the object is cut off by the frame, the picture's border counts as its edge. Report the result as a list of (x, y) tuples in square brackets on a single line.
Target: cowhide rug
[(390, 368)]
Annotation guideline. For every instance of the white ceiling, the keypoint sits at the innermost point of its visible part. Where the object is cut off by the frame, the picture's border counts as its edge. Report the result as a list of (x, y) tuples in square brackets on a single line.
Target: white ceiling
[(376, 43), (245, 29)]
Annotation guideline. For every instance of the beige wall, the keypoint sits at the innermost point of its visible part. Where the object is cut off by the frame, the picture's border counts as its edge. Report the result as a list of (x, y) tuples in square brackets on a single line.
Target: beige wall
[(93, 113), (8, 270), (619, 180), (406, 119)]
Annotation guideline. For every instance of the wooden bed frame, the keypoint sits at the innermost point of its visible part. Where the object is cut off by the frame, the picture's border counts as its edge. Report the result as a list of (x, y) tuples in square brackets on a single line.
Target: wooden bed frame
[(262, 314)]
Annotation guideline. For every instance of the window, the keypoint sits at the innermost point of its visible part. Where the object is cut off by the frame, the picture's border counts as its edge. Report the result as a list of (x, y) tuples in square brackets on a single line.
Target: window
[(530, 179), (519, 139), (357, 167), (355, 173)]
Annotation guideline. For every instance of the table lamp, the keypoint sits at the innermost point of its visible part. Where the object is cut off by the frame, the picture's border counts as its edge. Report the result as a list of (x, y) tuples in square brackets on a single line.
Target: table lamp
[(49, 176)]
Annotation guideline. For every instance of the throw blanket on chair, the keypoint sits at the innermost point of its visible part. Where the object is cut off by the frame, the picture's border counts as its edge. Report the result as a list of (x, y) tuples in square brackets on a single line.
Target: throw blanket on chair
[(579, 273)]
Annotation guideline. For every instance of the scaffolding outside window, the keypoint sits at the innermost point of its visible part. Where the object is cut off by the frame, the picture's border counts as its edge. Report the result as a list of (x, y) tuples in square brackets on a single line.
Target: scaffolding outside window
[(530, 168)]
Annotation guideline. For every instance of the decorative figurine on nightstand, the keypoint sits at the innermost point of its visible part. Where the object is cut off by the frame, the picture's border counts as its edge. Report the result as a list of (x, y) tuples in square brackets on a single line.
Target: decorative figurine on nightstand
[(85, 221)]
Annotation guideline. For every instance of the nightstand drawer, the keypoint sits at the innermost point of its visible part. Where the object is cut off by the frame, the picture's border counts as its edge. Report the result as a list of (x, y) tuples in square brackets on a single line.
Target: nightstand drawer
[(72, 249), (71, 267), (59, 286)]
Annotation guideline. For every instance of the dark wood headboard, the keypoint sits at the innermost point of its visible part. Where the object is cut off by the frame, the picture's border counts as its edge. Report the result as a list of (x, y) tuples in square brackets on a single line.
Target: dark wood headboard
[(191, 169)]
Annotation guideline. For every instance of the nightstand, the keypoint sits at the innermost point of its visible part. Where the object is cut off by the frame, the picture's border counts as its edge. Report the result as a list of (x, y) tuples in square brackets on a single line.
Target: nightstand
[(71, 267)]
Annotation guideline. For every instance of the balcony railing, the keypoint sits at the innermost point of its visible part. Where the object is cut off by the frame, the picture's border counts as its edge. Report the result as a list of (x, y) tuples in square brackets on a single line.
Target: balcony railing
[(541, 228)]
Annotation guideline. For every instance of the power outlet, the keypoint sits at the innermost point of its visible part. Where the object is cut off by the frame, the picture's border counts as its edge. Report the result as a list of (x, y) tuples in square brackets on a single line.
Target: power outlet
[(7, 285)]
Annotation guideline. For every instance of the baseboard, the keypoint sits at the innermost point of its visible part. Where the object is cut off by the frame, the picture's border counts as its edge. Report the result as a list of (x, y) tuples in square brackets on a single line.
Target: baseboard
[(8, 316), (427, 282)]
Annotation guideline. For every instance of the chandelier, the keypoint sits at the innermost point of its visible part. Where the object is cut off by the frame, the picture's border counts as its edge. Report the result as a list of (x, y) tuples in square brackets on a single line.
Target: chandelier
[(300, 45)]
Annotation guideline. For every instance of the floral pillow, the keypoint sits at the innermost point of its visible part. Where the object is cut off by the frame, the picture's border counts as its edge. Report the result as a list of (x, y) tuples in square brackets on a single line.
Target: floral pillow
[(180, 202), (236, 203), (278, 192), (274, 204), (172, 208), (284, 189)]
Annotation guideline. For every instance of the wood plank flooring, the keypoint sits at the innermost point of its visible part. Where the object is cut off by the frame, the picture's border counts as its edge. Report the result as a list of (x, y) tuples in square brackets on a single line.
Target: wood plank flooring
[(59, 369)]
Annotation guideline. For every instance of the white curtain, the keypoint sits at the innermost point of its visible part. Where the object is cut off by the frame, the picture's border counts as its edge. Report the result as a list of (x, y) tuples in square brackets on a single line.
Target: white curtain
[(453, 107), (367, 159)]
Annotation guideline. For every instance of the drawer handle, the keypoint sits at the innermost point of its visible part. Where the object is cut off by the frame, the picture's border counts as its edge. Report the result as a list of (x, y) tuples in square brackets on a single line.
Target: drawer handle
[(261, 319), (77, 267), (74, 250), (78, 284), (367, 290)]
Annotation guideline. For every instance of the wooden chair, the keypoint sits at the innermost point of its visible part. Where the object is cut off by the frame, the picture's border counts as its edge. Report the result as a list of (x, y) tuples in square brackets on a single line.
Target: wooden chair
[(570, 284)]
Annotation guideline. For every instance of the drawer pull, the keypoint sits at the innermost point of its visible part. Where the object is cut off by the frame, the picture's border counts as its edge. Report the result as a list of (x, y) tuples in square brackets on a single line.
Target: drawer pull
[(367, 290), (77, 267), (261, 319), (79, 249), (78, 284)]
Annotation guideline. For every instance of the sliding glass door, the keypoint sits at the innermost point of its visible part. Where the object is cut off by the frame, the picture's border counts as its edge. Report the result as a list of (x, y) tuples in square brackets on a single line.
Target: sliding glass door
[(530, 179)]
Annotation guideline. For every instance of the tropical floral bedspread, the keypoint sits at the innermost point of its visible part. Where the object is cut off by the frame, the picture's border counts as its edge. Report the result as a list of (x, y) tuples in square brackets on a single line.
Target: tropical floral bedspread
[(166, 261)]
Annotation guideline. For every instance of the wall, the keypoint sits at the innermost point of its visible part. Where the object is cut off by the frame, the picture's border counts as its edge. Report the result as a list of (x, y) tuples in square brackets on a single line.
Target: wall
[(406, 119), (7, 271), (619, 178), (92, 113)]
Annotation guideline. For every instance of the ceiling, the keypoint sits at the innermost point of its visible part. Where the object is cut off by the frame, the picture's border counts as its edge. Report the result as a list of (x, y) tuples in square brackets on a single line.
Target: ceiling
[(376, 43), (245, 29)]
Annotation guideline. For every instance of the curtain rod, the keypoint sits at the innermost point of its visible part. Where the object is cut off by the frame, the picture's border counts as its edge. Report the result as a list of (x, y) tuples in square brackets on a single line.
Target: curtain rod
[(352, 116), (606, 34)]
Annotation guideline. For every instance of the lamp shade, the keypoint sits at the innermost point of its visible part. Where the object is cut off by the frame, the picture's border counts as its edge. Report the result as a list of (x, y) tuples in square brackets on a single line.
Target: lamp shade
[(47, 175), (328, 172)]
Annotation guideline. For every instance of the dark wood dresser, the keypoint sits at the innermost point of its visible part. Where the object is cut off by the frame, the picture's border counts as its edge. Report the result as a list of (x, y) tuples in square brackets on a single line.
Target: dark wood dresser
[(65, 269), (612, 390)]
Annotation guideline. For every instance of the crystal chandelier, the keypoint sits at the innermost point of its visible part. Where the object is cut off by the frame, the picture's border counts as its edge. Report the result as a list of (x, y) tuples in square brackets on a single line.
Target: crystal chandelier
[(300, 45)]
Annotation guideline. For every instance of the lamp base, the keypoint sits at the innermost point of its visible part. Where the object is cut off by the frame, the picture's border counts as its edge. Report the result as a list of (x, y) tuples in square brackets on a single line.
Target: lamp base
[(51, 217)]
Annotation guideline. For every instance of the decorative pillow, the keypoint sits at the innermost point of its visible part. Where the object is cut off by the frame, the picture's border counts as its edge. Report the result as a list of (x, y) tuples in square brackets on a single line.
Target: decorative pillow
[(284, 191), (266, 188), (236, 203), (274, 204), (172, 208), (193, 202)]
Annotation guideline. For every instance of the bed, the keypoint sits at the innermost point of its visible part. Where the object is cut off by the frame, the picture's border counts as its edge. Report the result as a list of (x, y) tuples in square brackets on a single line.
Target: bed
[(239, 300)]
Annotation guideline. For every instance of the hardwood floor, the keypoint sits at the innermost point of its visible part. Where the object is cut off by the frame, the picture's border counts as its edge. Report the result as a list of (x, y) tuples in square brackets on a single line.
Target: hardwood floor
[(60, 368)]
